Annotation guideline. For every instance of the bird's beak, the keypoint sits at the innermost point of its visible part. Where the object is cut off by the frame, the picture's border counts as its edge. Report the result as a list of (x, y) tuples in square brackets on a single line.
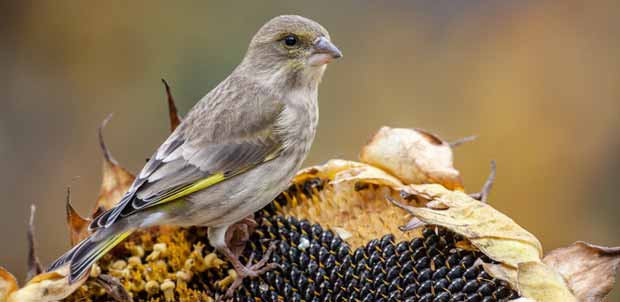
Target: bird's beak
[(323, 52)]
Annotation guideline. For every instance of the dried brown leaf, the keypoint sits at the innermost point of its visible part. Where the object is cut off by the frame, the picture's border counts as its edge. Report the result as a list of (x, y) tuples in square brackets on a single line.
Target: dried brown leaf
[(541, 282), (175, 118), (116, 180), (326, 170), (414, 156), (8, 284), (45, 287), (78, 225), (341, 171), (494, 233), (42, 287), (368, 175), (590, 270), (34, 265)]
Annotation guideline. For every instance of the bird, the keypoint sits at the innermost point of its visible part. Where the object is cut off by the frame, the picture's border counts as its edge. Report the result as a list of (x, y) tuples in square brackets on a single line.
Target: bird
[(233, 153)]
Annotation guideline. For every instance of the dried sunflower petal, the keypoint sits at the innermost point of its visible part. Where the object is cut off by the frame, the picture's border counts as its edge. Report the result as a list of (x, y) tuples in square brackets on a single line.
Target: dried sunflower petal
[(116, 179), (78, 225), (494, 233), (590, 270), (8, 284), (49, 286), (173, 114), (542, 283), (413, 155)]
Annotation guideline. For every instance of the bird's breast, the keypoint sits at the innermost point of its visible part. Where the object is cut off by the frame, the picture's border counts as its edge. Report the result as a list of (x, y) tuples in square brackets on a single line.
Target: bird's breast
[(299, 121)]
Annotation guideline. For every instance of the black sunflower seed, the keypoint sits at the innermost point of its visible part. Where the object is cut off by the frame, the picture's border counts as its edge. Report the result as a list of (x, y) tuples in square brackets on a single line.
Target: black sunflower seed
[(318, 266)]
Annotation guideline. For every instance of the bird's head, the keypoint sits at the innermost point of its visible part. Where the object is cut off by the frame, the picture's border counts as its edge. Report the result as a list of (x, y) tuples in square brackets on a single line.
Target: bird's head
[(291, 50)]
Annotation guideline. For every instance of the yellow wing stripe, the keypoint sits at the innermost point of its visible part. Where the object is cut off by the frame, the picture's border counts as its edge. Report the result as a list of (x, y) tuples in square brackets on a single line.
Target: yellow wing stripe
[(98, 252), (117, 239), (195, 187), (111, 243), (211, 180)]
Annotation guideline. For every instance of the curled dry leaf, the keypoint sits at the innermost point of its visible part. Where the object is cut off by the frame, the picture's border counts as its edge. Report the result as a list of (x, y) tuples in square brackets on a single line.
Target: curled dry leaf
[(414, 156), (41, 287), (541, 282), (328, 170), (494, 233), (50, 286), (78, 225), (581, 272), (175, 118), (589, 270), (366, 174), (8, 284), (344, 171), (116, 180), (534, 280)]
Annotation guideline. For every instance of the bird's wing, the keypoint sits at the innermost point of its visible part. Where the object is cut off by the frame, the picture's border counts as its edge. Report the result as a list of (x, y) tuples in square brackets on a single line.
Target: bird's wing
[(184, 165)]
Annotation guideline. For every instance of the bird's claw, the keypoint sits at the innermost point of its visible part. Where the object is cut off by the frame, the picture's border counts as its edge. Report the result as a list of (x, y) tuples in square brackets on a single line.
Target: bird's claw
[(252, 270)]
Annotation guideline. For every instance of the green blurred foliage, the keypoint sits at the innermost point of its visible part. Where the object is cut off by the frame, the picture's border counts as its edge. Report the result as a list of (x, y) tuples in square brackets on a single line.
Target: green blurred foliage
[(537, 81)]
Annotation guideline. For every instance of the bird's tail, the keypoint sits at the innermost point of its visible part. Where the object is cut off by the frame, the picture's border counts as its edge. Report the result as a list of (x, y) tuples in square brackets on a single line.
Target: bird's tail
[(82, 256)]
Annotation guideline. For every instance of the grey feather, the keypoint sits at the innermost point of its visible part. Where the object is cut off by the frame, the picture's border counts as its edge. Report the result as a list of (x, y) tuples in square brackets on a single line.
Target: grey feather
[(213, 138)]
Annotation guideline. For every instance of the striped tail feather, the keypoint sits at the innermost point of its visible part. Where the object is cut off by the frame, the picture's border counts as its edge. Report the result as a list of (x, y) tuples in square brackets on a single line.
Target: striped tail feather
[(82, 256)]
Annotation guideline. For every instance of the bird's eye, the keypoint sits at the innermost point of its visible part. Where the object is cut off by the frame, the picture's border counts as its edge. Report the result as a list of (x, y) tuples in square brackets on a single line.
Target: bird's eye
[(290, 40)]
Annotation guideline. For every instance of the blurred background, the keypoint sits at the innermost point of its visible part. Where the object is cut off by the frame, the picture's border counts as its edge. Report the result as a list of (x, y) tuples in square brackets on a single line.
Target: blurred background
[(537, 81)]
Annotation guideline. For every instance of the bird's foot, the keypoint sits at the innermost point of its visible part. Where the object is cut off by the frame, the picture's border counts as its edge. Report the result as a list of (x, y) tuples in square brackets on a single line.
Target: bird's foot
[(249, 270), (239, 233)]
